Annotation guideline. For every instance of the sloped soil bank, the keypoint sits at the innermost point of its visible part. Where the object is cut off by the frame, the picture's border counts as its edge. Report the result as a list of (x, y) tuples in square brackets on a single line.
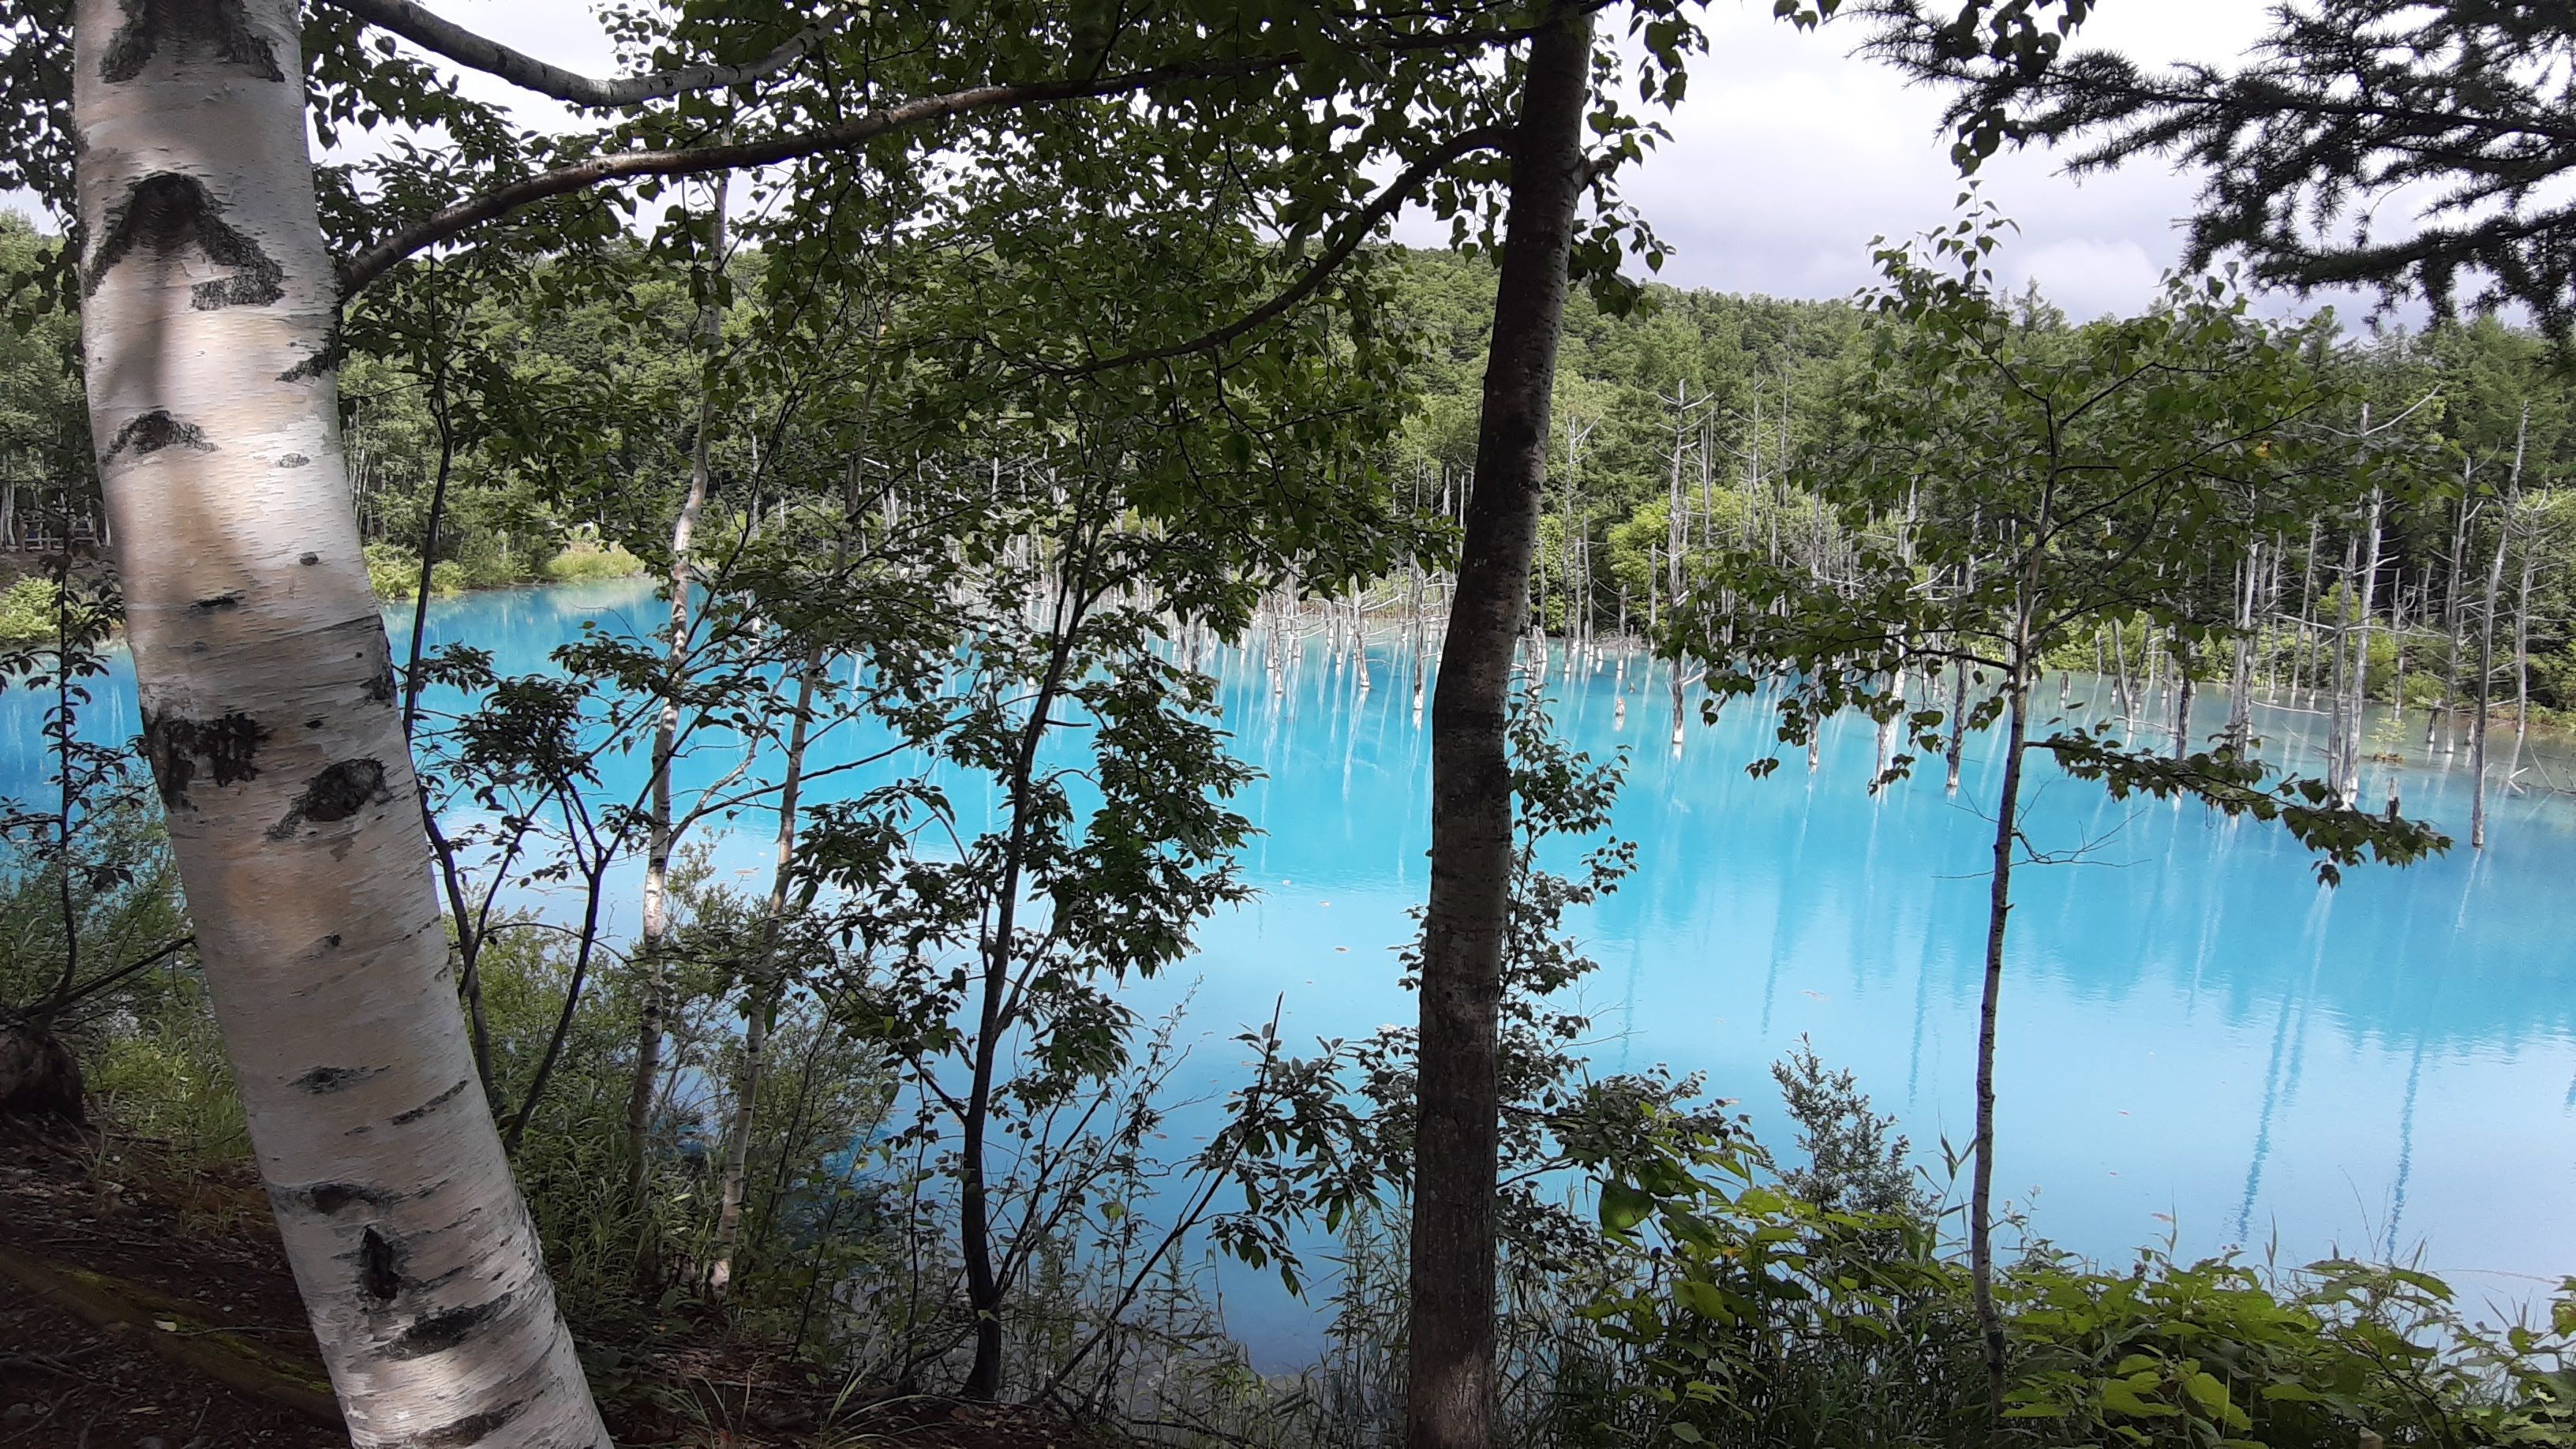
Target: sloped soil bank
[(143, 1306)]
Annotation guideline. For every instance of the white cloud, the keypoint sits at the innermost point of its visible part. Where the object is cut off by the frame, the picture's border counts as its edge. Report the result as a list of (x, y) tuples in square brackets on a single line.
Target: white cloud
[(1791, 154), (2088, 277)]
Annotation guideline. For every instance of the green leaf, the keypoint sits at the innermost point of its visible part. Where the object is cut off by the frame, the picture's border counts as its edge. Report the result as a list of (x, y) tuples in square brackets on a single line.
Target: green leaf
[(1623, 1206), (2120, 1398), (2208, 1392)]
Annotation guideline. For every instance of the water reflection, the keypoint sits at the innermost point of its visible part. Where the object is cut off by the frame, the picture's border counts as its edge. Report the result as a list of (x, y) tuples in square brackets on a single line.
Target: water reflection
[(2193, 1029)]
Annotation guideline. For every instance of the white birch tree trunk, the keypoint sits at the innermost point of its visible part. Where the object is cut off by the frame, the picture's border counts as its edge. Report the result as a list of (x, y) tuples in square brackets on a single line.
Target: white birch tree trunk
[(660, 836), (2369, 590), (764, 989), (268, 699)]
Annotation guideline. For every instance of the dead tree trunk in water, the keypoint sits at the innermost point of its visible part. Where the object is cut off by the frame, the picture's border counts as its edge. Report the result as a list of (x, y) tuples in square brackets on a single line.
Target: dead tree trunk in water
[(2486, 643), (1958, 742), (2240, 678), (1450, 1355), (2369, 591)]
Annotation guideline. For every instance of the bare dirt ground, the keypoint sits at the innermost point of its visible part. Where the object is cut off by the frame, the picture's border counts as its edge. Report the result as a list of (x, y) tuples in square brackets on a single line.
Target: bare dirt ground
[(147, 1307)]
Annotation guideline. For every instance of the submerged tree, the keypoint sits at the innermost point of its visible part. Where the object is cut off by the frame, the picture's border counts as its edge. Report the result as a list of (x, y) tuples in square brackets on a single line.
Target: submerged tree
[(2013, 487)]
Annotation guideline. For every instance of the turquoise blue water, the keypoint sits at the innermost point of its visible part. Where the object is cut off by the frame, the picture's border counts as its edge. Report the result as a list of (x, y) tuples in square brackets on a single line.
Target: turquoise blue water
[(2198, 1040)]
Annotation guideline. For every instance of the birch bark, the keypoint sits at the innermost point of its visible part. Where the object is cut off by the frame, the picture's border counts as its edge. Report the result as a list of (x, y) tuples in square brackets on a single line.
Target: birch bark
[(270, 718)]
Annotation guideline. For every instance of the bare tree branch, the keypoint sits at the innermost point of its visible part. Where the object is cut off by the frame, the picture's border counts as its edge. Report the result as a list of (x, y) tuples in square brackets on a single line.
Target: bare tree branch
[(463, 46)]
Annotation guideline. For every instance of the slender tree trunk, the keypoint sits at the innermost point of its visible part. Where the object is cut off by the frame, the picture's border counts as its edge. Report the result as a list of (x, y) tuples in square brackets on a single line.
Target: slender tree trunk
[(1675, 541), (660, 837), (1450, 1347), (2486, 644), (1958, 743), (764, 987), (2120, 674), (2522, 652), (1421, 645), (766, 984), (2184, 687), (2397, 626), (2353, 729), (2486, 684), (1981, 1244), (1888, 726), (2240, 679), (272, 724)]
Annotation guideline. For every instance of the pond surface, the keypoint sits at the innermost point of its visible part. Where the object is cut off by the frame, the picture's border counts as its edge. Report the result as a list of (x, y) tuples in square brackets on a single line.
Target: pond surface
[(2198, 1041)]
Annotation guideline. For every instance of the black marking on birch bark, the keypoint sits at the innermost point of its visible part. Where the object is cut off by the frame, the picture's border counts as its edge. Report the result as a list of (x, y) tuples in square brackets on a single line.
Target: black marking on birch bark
[(220, 602), (374, 653), (169, 211), (405, 1119), (376, 1276), (310, 559), (472, 1429), (330, 1197), (155, 431), (294, 460), (439, 1332), (228, 746), (340, 791), (322, 1081), (219, 28), (326, 359)]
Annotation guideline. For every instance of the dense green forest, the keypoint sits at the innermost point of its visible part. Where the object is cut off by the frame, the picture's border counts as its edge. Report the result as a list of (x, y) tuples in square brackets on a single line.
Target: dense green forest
[(1736, 397), (991, 378)]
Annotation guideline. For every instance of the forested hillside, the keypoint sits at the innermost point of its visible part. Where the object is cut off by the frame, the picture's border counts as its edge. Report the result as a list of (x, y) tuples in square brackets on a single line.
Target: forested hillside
[(1734, 396)]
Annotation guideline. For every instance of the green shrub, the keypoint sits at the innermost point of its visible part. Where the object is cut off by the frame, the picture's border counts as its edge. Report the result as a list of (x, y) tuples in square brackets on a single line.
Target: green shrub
[(27, 611), (393, 571), (486, 561), (584, 561), (1757, 1317)]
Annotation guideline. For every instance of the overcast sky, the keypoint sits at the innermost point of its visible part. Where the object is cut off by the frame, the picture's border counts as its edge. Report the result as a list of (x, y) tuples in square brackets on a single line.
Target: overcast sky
[(1789, 155), (1787, 158)]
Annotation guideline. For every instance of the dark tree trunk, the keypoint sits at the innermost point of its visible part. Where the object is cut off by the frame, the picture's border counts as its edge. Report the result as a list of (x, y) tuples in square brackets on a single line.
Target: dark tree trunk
[(2185, 661), (1981, 1244), (40, 1079), (1451, 1365)]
